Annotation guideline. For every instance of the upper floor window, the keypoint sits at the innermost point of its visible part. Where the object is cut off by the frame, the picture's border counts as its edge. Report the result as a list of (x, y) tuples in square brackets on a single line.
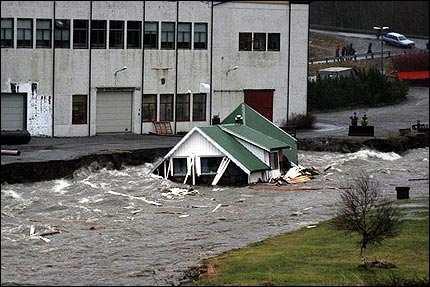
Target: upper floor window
[(168, 35), (116, 34), (24, 33), (7, 33), (273, 42), (184, 36), (183, 107), (80, 34), (43, 33), (98, 34), (200, 36), (134, 32), (150, 40), (245, 41), (259, 43), (62, 34)]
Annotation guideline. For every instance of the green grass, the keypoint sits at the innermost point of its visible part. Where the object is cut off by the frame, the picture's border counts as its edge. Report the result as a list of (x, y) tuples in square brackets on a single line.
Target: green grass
[(325, 256)]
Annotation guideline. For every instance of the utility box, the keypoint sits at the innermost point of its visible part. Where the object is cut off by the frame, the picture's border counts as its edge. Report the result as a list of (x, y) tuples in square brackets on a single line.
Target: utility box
[(336, 72)]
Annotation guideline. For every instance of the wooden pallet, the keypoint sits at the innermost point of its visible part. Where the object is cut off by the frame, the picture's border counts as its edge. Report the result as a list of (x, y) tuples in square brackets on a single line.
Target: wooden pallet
[(162, 128)]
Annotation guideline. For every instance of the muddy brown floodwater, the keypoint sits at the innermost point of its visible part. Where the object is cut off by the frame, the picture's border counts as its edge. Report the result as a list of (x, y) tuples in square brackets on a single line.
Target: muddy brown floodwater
[(125, 227)]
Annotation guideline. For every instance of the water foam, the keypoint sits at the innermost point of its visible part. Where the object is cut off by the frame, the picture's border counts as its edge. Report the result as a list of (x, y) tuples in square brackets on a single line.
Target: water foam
[(12, 193), (61, 185)]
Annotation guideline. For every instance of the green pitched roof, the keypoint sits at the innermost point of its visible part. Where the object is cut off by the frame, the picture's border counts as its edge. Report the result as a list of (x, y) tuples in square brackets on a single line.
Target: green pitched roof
[(253, 136), (234, 148), (256, 121)]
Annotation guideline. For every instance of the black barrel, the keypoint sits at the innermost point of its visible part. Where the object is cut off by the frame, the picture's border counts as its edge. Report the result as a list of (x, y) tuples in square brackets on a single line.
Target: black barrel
[(14, 137), (402, 192)]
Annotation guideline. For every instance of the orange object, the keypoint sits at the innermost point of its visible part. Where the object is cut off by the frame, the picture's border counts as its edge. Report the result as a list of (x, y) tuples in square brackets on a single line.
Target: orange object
[(413, 75)]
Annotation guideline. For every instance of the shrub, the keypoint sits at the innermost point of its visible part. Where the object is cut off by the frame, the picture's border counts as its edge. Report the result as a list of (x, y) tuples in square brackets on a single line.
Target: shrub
[(301, 122), (411, 62), (367, 88)]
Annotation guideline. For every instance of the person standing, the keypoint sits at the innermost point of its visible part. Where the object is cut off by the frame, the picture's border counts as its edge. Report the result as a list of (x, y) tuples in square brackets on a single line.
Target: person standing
[(369, 49)]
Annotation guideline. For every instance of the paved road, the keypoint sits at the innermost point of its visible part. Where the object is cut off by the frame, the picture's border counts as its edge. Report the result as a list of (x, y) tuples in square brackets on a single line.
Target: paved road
[(387, 120)]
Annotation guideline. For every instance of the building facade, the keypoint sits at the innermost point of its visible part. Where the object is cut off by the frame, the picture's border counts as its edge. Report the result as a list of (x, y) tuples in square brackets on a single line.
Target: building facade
[(80, 68)]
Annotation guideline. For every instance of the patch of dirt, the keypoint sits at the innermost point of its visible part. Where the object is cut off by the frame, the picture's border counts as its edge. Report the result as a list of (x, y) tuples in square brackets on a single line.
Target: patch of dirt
[(321, 46)]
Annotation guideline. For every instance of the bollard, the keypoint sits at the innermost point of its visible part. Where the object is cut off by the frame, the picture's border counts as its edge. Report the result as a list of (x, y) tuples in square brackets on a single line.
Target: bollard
[(402, 192)]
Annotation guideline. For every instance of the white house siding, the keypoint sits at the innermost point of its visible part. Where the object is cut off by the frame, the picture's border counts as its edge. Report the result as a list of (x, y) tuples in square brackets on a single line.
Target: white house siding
[(258, 152), (198, 145), (257, 70)]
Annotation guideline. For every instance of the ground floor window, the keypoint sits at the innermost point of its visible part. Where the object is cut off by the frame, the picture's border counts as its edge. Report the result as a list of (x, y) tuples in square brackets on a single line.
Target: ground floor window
[(79, 109), (274, 160), (166, 107), (199, 107), (149, 107), (183, 107), (179, 166), (209, 165)]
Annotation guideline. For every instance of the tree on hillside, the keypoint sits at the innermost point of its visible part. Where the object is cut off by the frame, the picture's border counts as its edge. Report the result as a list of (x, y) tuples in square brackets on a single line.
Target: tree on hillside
[(364, 211)]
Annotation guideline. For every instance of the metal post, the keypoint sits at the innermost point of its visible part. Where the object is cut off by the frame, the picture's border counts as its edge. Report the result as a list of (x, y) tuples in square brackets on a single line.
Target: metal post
[(382, 52)]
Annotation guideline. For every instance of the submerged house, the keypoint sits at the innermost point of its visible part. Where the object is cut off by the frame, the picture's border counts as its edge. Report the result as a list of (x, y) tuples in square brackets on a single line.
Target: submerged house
[(244, 148)]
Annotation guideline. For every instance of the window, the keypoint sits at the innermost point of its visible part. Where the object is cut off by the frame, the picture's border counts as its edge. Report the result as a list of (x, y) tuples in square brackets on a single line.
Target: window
[(273, 42), (273, 159), (79, 109), (200, 36), (259, 43), (245, 41), (199, 107), (43, 33), (183, 107), (151, 35), (209, 165), (116, 34), (179, 166), (168, 35), (98, 34), (62, 34), (149, 107), (7, 33), (184, 35), (166, 107), (134, 34), (24, 33), (80, 34)]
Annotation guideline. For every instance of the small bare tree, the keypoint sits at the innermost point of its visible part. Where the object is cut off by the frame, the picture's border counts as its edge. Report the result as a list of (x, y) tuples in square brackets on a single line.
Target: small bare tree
[(364, 211)]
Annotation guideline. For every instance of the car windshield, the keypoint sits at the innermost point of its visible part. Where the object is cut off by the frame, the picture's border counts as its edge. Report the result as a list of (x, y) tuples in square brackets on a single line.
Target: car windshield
[(402, 38)]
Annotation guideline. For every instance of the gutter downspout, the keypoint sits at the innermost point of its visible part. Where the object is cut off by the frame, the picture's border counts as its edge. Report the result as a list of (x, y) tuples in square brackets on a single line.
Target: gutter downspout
[(211, 57), (289, 59), (89, 68), (176, 68), (53, 75), (143, 66)]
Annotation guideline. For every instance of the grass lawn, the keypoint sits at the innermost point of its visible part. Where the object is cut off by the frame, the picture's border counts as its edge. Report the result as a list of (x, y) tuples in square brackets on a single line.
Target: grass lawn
[(325, 256)]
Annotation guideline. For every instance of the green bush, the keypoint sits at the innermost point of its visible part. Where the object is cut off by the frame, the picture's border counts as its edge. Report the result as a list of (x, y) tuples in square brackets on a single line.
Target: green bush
[(301, 122), (367, 88)]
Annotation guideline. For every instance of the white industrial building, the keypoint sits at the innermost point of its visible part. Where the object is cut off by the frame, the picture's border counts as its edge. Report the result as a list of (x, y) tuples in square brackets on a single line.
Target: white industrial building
[(80, 68)]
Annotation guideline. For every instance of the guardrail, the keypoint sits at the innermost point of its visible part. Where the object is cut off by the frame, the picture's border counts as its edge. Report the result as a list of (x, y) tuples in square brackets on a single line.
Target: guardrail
[(354, 57)]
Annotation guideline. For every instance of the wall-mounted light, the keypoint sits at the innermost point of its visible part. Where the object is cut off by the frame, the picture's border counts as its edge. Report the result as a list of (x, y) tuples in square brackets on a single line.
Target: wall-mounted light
[(122, 69)]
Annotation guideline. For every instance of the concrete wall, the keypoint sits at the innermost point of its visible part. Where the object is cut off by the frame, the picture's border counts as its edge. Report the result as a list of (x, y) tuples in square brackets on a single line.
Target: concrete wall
[(257, 70)]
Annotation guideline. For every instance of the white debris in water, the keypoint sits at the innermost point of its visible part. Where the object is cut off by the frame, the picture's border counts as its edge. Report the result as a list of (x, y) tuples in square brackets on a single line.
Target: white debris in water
[(12, 193), (179, 192), (368, 154), (61, 185), (134, 197)]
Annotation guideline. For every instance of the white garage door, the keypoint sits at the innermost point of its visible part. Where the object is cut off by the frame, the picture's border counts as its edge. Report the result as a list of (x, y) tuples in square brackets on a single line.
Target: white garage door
[(113, 112), (13, 112)]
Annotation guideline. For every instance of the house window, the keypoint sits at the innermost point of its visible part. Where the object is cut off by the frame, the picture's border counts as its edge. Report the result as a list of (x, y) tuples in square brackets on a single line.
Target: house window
[(149, 107), (24, 33), (166, 107), (200, 36), (168, 35), (274, 160), (259, 43), (43, 33), (183, 107), (199, 107), (80, 34), (179, 166), (98, 34), (134, 34), (62, 34), (209, 165), (151, 35), (7, 33), (245, 41), (79, 109), (274, 42), (116, 34), (184, 35)]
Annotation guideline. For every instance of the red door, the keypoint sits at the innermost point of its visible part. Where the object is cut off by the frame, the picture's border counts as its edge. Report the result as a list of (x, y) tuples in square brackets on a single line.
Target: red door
[(261, 101)]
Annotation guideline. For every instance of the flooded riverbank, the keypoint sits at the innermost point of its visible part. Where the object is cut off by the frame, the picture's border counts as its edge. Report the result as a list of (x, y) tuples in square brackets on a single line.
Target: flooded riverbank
[(125, 227)]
